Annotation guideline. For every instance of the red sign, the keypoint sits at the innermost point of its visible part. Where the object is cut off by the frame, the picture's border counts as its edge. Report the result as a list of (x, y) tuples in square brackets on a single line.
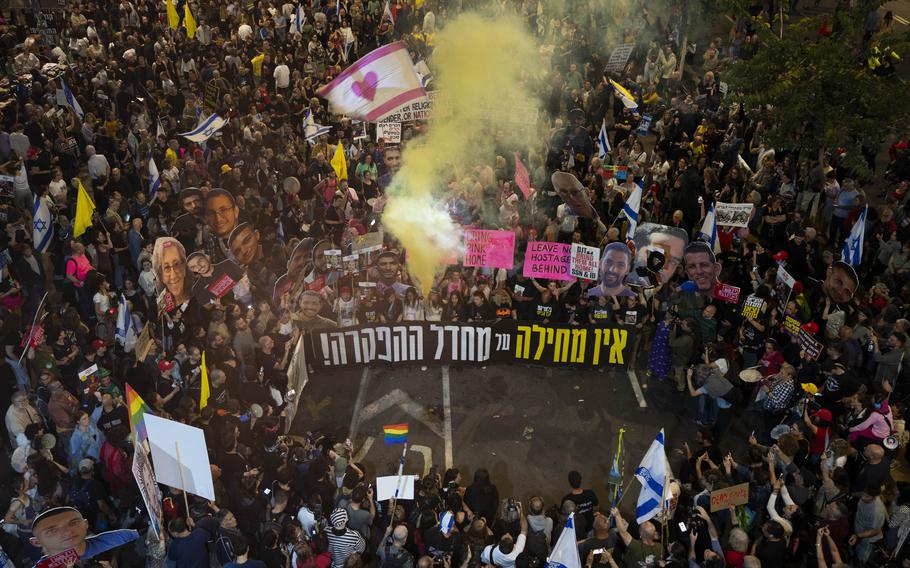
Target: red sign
[(33, 336), (61, 560), (222, 285), (727, 293)]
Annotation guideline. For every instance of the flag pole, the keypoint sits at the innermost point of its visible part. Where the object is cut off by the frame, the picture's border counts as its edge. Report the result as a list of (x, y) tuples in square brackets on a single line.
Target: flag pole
[(625, 490), (31, 330), (398, 487)]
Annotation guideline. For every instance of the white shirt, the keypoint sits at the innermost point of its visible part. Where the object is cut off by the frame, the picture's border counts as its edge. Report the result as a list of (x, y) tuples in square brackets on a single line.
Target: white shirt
[(57, 189), (103, 301), (98, 166), (307, 520), (282, 76), (147, 280), (492, 554)]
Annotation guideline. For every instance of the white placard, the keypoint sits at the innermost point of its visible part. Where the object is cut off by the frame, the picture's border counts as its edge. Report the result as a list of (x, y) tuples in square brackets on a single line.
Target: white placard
[(389, 131), (386, 486), (164, 436), (733, 214), (619, 57), (585, 261)]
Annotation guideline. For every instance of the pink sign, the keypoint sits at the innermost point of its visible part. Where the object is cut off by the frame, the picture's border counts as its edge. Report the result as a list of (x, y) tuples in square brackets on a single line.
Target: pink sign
[(548, 260), (727, 293), (522, 179), (490, 249), (61, 560)]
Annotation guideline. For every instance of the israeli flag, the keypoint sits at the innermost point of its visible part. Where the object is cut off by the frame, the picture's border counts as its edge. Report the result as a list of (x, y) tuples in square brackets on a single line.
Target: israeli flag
[(653, 473), (603, 143), (311, 130), (853, 246), (42, 225), (630, 209), (71, 101), (423, 73), (299, 20), (387, 13), (206, 129), (708, 231), (565, 552), (126, 332), (154, 179)]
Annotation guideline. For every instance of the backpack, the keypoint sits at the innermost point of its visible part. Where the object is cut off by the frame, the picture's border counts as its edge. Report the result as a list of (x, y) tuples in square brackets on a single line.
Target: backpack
[(536, 545), (78, 496)]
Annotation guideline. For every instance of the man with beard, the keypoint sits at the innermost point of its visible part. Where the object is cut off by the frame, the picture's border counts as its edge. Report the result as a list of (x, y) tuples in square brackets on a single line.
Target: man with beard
[(386, 273), (614, 267), (308, 316)]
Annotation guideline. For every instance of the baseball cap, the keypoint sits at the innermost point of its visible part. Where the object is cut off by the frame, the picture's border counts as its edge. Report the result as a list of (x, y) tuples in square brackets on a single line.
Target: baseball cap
[(823, 414), (86, 465), (339, 518), (98, 344), (165, 365)]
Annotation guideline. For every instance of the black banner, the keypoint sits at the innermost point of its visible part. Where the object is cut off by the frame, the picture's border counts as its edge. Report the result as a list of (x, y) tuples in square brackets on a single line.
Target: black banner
[(483, 344)]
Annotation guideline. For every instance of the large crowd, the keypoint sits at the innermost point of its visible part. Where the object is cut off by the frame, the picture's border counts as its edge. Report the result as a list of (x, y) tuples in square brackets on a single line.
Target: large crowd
[(226, 257)]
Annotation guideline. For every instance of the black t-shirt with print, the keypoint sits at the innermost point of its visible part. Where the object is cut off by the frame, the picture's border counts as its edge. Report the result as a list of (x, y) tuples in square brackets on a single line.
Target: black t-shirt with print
[(548, 310), (367, 314)]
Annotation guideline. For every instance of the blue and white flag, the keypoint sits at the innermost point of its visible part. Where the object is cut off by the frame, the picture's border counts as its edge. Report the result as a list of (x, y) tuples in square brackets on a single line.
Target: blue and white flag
[(69, 100), (708, 231), (565, 552), (311, 130), (154, 179), (206, 129), (299, 20), (630, 209), (387, 13), (125, 333), (42, 225), (423, 73), (853, 246), (603, 142), (654, 474)]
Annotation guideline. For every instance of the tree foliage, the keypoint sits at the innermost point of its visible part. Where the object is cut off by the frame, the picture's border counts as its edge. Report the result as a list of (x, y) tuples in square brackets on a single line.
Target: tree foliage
[(821, 92)]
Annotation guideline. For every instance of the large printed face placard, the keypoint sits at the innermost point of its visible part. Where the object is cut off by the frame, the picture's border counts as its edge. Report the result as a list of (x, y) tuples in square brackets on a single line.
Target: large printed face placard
[(573, 193), (701, 267), (169, 264), (615, 264), (658, 253), (221, 212)]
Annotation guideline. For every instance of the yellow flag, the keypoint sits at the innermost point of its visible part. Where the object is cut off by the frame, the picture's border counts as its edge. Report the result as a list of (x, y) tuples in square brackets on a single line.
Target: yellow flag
[(203, 385), (84, 209), (257, 64), (173, 20), (339, 163), (189, 22)]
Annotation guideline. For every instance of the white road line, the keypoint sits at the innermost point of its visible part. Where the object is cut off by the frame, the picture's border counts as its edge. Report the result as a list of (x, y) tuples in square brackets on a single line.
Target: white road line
[(427, 453), (355, 418), (901, 20), (397, 397), (636, 388), (447, 416), (364, 449)]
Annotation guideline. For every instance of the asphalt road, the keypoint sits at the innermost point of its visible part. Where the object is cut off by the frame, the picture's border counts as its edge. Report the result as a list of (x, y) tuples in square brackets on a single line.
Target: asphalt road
[(529, 426)]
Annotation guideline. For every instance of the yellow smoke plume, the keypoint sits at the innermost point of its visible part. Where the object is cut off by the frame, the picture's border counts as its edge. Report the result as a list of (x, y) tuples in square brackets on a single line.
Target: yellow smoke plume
[(479, 63)]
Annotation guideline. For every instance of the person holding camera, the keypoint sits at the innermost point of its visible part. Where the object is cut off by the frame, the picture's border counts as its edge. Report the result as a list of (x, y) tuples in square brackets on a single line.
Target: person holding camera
[(507, 550)]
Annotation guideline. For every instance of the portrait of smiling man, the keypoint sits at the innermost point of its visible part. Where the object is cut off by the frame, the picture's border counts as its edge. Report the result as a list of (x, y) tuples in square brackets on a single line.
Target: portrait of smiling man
[(701, 266)]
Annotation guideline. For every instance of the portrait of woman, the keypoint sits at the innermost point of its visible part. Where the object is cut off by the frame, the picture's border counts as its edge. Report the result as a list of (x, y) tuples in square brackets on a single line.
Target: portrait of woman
[(169, 263)]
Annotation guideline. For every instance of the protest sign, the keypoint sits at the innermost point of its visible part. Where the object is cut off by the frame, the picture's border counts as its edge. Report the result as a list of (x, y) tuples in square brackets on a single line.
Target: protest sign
[(386, 486), (753, 307), (584, 261), (723, 88), (192, 472), (733, 214), (792, 325), (144, 343), (85, 374), (522, 178), (333, 259), (645, 126), (619, 58), (721, 499), (504, 342), (212, 95), (60, 560), (809, 344), (548, 260), (389, 131), (419, 109), (726, 292), (349, 264), (784, 277), (148, 488), (490, 249)]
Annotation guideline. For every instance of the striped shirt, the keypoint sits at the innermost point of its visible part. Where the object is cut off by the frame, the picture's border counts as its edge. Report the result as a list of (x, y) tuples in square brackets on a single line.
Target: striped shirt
[(343, 545)]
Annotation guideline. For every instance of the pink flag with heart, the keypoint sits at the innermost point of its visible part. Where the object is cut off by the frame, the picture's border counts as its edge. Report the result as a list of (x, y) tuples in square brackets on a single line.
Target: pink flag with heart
[(376, 85)]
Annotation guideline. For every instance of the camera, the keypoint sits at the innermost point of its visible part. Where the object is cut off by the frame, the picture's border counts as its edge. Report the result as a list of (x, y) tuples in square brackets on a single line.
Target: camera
[(511, 505), (694, 522)]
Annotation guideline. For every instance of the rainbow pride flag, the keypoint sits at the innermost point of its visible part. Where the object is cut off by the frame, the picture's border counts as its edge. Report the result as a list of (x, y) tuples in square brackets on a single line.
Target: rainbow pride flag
[(137, 408), (395, 434)]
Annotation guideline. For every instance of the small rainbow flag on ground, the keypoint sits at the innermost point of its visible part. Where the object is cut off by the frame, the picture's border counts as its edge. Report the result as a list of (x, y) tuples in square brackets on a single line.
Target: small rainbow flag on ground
[(137, 409), (395, 434)]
